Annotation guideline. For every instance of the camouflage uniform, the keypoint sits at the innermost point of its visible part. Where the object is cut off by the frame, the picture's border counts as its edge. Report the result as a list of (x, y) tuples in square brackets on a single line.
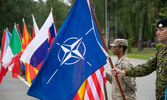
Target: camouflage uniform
[(159, 64), (128, 84)]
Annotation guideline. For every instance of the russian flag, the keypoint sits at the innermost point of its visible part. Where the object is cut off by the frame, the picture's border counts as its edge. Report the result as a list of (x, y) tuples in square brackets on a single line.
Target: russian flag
[(36, 51)]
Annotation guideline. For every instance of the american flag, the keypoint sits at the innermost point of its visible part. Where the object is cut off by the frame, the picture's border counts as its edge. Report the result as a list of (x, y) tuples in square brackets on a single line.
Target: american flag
[(93, 87)]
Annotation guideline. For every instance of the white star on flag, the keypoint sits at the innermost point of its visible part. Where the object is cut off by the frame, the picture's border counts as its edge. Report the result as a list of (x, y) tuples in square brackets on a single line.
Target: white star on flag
[(68, 53)]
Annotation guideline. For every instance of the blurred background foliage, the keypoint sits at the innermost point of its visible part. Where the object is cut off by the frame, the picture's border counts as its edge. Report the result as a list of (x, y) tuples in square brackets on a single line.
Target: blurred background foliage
[(131, 19)]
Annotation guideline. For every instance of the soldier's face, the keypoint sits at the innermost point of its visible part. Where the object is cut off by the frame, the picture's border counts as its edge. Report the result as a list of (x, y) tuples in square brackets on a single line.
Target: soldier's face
[(115, 50), (162, 34)]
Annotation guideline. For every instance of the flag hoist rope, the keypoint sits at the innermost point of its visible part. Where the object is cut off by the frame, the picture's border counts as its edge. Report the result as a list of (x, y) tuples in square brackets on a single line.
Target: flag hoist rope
[(109, 59)]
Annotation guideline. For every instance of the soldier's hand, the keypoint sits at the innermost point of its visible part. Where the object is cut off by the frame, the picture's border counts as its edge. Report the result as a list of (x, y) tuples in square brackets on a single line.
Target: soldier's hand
[(114, 71), (117, 72)]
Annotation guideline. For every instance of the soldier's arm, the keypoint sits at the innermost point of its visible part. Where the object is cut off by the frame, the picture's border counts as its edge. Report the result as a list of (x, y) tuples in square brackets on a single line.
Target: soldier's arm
[(142, 70), (129, 81)]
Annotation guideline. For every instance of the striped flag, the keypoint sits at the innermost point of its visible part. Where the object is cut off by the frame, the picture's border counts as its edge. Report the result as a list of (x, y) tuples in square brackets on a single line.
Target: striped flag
[(93, 87), (25, 41), (30, 71), (5, 42), (36, 51), (71, 59), (26, 37), (81, 92), (12, 53)]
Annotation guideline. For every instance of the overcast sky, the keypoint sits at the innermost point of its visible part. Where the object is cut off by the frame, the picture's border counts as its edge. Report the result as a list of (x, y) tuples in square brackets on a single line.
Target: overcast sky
[(66, 1)]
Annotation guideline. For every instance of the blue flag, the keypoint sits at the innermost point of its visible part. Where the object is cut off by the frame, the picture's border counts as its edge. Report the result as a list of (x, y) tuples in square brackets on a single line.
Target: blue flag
[(166, 94), (74, 55)]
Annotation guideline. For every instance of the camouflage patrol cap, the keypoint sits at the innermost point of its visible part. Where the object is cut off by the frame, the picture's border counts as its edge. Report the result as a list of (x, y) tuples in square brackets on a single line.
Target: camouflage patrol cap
[(117, 42), (162, 23)]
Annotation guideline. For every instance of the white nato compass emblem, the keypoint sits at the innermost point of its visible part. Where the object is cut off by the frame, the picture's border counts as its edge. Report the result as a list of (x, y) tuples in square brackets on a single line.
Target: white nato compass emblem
[(71, 51)]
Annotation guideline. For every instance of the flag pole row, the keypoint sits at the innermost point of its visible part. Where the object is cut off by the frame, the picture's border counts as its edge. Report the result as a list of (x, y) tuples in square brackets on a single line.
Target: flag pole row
[(39, 53)]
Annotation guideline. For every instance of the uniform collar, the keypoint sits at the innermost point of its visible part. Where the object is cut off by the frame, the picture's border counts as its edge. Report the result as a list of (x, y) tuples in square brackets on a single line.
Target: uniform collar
[(121, 58)]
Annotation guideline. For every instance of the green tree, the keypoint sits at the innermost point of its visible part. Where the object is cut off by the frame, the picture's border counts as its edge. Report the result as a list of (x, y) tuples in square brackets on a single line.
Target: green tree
[(60, 10), (12, 11), (41, 12), (136, 18)]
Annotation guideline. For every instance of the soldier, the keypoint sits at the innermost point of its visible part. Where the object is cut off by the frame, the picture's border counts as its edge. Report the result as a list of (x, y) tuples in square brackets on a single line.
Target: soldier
[(158, 63), (128, 84)]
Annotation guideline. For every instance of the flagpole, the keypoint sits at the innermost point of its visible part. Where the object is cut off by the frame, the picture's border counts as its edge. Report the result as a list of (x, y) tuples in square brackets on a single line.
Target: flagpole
[(105, 92), (54, 19), (111, 64), (23, 20)]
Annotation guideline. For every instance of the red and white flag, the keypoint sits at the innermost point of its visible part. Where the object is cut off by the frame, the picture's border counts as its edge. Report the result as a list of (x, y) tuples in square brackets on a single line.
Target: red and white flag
[(93, 87), (5, 42), (12, 53)]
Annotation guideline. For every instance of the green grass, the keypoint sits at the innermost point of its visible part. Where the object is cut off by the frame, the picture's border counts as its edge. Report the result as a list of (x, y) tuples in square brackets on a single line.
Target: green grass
[(145, 54)]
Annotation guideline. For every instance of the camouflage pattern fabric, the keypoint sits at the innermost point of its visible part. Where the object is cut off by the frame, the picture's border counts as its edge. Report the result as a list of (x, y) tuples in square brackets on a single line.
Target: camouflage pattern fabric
[(128, 84), (117, 42), (158, 63)]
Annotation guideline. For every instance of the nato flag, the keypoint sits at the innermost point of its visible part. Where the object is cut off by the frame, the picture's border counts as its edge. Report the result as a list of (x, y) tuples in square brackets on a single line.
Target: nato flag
[(74, 55)]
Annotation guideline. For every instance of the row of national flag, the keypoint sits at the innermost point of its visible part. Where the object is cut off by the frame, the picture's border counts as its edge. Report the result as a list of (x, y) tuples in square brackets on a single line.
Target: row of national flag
[(12, 47), (62, 65), (5, 42), (11, 53)]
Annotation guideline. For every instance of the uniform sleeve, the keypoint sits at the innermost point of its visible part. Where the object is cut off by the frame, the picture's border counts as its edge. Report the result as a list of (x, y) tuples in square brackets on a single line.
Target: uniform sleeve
[(129, 81), (109, 77), (144, 69)]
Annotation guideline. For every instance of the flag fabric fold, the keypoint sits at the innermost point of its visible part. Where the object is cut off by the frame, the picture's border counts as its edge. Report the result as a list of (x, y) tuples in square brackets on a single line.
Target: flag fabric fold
[(30, 71), (16, 66), (12, 52), (74, 55), (95, 85), (35, 29), (36, 51), (4, 44), (93, 88), (81, 92), (2, 71), (26, 39)]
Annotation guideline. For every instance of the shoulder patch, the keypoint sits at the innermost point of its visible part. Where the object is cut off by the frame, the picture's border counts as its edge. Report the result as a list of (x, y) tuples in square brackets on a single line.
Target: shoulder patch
[(153, 56)]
